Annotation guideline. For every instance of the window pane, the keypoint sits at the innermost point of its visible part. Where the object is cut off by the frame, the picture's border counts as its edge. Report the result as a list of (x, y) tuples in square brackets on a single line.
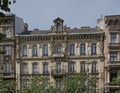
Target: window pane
[(7, 67), (24, 68), (82, 67), (94, 67), (34, 68), (113, 38), (72, 49), (58, 67), (113, 56), (8, 50), (93, 49), (34, 50), (71, 67), (45, 50), (24, 50), (45, 68), (58, 48), (82, 49)]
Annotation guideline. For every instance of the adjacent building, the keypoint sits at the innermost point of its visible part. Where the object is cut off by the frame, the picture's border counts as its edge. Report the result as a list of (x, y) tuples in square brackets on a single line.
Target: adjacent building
[(58, 52), (112, 51), (9, 25)]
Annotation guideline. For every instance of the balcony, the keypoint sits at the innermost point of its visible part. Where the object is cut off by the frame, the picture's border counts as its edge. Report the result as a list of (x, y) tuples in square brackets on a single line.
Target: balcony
[(115, 46), (94, 72), (112, 86), (45, 72), (57, 55), (58, 72), (114, 63), (24, 73)]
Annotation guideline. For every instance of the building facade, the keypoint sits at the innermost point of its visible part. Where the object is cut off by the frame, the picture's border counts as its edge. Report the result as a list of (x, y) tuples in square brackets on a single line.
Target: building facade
[(9, 25), (58, 52), (112, 51)]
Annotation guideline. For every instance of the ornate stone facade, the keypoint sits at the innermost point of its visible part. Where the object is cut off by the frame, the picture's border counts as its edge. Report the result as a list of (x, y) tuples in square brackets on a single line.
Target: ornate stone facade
[(60, 51)]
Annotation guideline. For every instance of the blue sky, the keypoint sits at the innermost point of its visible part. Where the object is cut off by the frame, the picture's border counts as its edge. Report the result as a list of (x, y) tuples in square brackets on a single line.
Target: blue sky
[(76, 13)]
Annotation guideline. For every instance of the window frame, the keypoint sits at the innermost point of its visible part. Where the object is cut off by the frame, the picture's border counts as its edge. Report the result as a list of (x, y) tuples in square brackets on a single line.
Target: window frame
[(72, 49), (24, 50), (83, 49), (45, 50), (34, 50)]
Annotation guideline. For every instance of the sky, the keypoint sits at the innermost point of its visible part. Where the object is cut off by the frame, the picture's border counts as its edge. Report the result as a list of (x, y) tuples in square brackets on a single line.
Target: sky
[(39, 14)]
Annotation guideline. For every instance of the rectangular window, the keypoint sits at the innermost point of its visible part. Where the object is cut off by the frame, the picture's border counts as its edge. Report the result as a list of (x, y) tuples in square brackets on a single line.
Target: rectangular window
[(34, 68), (94, 67), (71, 67), (45, 68), (24, 68), (58, 67), (113, 38), (72, 49), (82, 67), (23, 83), (7, 67), (8, 50), (113, 56), (58, 83)]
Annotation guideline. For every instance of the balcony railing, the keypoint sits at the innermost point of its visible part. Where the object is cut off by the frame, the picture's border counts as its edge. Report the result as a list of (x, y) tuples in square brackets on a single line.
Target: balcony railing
[(114, 45), (58, 72), (114, 63), (58, 55), (45, 72)]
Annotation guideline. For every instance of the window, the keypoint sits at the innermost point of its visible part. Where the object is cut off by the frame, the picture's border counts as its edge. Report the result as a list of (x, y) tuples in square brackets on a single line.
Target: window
[(82, 49), (58, 67), (7, 67), (34, 68), (94, 67), (58, 48), (34, 50), (71, 67), (45, 68), (58, 27), (7, 32), (24, 50), (8, 50), (93, 49), (113, 37), (24, 68), (58, 83), (113, 56), (45, 50), (23, 83), (72, 49), (82, 67)]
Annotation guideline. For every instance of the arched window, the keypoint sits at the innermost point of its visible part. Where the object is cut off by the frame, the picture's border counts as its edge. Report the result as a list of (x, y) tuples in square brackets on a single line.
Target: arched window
[(93, 48), (34, 50), (45, 50), (82, 49), (72, 49), (58, 48), (24, 50)]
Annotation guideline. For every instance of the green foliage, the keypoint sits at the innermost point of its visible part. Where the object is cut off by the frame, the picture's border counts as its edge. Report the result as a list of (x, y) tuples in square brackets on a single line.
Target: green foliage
[(116, 81), (4, 5), (2, 36), (7, 86)]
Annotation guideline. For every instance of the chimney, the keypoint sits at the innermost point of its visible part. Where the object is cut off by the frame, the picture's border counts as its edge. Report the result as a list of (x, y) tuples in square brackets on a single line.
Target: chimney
[(25, 27)]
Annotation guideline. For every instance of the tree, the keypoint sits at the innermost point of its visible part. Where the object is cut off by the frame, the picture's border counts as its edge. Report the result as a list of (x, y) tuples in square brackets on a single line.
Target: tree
[(7, 86), (76, 83), (4, 6), (116, 81)]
